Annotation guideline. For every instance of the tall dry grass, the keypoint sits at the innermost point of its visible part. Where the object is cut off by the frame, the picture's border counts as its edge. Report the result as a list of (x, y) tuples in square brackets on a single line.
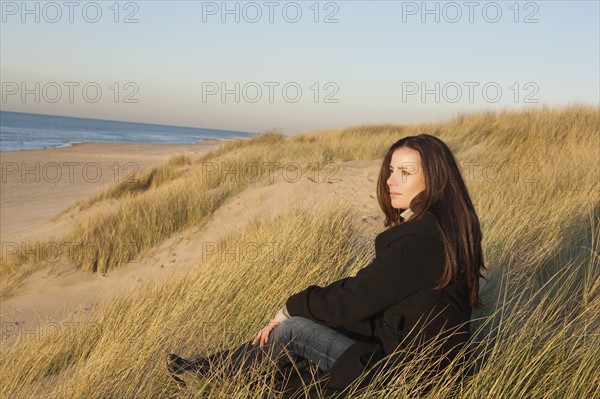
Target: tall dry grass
[(534, 179), (515, 144)]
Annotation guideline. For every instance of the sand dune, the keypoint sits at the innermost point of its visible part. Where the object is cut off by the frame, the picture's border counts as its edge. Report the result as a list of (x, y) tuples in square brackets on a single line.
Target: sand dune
[(38, 184), (46, 299)]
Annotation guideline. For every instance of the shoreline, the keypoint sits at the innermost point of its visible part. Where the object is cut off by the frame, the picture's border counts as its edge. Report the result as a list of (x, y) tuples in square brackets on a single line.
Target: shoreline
[(118, 130), (37, 185), (78, 143)]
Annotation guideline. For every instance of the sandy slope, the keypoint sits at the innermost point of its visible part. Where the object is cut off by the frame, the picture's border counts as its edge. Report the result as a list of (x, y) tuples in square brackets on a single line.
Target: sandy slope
[(44, 301), (38, 184)]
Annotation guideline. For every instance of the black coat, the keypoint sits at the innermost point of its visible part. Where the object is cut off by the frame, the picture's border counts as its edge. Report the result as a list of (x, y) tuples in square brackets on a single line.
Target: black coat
[(390, 303)]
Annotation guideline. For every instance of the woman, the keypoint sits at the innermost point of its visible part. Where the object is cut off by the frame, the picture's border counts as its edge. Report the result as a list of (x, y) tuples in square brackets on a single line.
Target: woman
[(421, 285)]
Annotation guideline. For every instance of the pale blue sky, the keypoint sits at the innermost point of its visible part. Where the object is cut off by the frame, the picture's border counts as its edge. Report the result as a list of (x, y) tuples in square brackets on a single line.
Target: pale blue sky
[(371, 57)]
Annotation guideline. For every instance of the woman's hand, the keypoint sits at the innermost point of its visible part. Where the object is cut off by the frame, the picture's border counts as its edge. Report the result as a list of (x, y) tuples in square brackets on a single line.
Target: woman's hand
[(263, 335)]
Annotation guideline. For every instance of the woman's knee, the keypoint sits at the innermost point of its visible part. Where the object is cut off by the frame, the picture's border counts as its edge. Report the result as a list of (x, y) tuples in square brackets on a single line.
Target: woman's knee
[(296, 322), (291, 327)]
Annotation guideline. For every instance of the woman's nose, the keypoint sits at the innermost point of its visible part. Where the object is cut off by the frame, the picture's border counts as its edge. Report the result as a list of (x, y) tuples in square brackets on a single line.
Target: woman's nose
[(391, 181)]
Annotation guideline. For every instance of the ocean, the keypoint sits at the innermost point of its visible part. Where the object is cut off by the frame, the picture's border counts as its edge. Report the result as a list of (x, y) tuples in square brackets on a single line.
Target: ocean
[(22, 131)]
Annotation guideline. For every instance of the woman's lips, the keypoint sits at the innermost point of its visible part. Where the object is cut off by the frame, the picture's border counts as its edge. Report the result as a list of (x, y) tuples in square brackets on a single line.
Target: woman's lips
[(395, 194)]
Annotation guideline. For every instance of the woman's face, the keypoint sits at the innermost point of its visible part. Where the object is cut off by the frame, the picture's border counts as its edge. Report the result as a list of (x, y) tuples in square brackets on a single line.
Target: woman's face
[(406, 177)]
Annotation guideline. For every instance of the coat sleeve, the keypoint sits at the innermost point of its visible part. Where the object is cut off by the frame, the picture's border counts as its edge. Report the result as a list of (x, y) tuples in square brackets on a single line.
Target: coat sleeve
[(410, 263)]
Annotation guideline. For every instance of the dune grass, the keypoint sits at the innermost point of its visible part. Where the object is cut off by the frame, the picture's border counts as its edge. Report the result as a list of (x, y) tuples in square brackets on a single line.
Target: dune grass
[(147, 180), (180, 314), (533, 176), (531, 341), (514, 142)]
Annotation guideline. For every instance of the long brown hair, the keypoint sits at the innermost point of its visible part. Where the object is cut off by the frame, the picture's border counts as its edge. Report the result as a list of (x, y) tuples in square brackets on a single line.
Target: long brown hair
[(447, 198)]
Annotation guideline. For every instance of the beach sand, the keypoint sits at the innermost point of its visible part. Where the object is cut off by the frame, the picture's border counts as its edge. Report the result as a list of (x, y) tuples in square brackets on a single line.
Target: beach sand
[(28, 207), (38, 184)]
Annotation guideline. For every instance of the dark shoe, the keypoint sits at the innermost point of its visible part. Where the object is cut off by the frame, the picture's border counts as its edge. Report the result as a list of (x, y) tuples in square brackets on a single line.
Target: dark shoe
[(178, 365)]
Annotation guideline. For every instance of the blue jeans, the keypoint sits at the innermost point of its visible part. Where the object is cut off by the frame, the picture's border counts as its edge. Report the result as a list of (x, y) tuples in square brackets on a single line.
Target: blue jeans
[(294, 341), (310, 340)]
